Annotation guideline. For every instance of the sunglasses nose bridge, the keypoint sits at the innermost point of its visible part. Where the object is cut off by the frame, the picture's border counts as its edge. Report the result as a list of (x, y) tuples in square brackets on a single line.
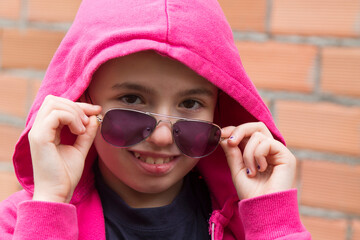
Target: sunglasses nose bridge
[(164, 121), (162, 118), (162, 134)]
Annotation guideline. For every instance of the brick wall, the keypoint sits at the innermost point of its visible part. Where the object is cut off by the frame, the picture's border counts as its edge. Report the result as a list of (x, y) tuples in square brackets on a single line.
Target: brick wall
[(304, 57)]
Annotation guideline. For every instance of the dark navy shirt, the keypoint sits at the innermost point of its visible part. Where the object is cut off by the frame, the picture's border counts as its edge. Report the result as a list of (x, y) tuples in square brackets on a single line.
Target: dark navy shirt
[(185, 218)]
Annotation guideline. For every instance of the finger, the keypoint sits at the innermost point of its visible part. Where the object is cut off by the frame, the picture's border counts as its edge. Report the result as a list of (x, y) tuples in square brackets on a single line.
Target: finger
[(260, 154), (279, 154), (48, 129), (58, 103), (52, 103), (247, 130), (249, 153), (227, 131), (59, 118), (234, 158), (84, 141), (56, 112), (89, 109)]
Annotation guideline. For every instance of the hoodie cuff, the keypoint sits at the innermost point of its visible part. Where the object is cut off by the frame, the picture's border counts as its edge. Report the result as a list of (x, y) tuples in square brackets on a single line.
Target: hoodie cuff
[(46, 220), (272, 216)]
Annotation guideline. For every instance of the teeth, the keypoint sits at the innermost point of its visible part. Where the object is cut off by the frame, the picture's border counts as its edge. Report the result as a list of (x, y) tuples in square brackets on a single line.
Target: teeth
[(151, 160), (159, 161), (137, 155)]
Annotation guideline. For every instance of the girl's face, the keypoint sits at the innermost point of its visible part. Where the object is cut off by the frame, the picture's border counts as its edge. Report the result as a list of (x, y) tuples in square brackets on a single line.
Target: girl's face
[(148, 82)]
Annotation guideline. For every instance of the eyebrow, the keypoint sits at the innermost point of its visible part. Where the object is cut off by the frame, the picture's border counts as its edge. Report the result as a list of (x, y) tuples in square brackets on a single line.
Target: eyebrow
[(142, 88), (196, 91), (133, 86)]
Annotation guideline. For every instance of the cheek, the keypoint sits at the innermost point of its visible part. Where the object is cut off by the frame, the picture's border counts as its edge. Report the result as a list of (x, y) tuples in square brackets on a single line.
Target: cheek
[(108, 153), (209, 112), (208, 115)]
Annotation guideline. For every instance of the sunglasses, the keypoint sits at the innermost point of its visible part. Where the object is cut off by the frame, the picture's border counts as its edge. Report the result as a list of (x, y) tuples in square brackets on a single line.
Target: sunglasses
[(124, 128)]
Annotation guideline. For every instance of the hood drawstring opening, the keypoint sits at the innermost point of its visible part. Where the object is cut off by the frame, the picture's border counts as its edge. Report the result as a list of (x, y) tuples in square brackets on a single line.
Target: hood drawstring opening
[(212, 231), (217, 224), (220, 218)]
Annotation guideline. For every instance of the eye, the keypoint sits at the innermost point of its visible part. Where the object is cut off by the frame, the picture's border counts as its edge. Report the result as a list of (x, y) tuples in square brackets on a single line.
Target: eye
[(191, 104), (131, 99)]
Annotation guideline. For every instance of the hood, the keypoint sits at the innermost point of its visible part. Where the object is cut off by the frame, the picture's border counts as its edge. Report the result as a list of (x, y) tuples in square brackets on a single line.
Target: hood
[(194, 32)]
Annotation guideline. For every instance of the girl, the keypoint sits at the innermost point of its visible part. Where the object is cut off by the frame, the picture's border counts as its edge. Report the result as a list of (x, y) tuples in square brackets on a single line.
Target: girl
[(122, 139)]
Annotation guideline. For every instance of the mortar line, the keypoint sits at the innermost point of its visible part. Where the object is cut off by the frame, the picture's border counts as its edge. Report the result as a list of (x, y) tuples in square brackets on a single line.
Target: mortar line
[(54, 27), (13, 121), (268, 15), (313, 155), (298, 179), (327, 213), (23, 14), (349, 229), (6, 167), (317, 72), (310, 97), (323, 41)]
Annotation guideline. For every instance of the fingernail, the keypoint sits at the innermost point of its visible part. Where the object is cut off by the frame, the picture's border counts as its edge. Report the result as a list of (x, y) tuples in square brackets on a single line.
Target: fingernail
[(248, 171), (232, 138), (258, 167)]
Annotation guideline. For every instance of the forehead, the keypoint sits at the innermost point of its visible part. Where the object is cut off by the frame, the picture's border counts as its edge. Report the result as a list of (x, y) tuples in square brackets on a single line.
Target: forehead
[(150, 69)]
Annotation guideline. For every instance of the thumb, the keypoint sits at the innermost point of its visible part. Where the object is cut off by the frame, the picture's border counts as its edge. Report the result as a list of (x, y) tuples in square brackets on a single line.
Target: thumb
[(234, 158), (84, 141)]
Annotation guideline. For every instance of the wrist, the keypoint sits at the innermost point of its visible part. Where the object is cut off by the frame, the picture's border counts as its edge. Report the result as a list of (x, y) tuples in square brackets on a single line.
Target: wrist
[(50, 198)]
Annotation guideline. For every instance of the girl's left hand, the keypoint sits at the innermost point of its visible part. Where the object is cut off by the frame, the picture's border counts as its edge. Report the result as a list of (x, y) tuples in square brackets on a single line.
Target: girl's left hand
[(259, 164)]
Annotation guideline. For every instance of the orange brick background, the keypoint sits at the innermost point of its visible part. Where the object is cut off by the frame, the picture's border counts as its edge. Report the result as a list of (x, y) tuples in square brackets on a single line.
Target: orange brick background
[(303, 55)]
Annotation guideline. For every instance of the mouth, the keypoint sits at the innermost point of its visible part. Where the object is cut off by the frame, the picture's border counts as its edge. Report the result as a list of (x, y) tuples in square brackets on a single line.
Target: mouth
[(155, 160)]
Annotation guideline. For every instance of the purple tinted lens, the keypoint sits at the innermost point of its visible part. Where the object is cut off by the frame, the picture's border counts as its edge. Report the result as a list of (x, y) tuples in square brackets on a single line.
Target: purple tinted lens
[(124, 128), (196, 139)]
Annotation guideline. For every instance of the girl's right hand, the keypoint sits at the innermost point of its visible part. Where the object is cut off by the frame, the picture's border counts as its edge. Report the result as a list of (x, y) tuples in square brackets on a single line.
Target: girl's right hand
[(58, 167)]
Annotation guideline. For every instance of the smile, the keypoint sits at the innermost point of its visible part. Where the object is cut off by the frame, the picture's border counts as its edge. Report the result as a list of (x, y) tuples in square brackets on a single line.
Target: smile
[(152, 160)]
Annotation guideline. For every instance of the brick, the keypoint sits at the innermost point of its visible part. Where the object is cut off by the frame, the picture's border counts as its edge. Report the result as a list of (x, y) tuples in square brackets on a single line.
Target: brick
[(30, 48), (331, 185), (320, 126), (246, 15), (341, 71), (53, 11), (35, 88), (10, 9), (13, 94), (8, 184), (8, 138), (356, 230), (319, 17), (274, 66), (329, 229)]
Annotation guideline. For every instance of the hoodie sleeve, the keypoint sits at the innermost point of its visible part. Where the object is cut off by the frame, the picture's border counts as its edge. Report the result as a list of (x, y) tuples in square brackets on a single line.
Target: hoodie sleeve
[(273, 216), (46, 220), (7, 219), (37, 220)]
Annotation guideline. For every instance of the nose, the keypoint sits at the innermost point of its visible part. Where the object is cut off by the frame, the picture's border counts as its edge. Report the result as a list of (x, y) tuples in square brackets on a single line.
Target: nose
[(162, 135)]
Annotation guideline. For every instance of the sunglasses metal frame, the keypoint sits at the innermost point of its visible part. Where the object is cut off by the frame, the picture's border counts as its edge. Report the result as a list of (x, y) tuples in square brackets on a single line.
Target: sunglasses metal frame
[(100, 120)]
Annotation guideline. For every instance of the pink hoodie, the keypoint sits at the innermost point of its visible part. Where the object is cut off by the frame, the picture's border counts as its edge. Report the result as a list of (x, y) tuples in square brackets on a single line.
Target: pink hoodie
[(195, 33)]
